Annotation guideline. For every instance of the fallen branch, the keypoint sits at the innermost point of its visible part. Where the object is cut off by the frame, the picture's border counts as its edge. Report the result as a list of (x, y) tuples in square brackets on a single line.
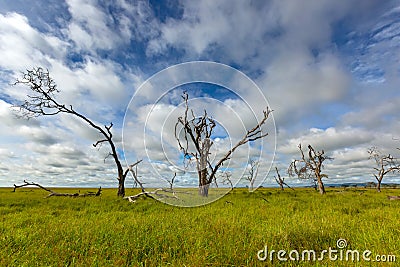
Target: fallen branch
[(151, 194), (393, 197), (57, 194)]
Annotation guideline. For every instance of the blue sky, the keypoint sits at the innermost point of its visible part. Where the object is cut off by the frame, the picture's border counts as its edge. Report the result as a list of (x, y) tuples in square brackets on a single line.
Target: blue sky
[(329, 69)]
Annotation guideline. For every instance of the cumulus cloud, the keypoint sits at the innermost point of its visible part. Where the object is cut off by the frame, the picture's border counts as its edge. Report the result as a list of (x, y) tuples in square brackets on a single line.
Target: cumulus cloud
[(106, 27), (89, 27), (374, 116), (329, 139), (23, 46), (307, 83)]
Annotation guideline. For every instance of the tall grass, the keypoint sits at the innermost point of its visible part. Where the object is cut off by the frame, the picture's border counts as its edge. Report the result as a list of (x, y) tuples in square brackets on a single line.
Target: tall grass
[(107, 231)]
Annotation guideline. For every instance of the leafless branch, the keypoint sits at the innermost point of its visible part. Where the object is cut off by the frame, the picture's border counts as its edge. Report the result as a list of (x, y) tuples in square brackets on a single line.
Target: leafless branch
[(57, 194), (134, 174), (171, 182), (281, 181), (100, 142), (226, 178), (254, 133)]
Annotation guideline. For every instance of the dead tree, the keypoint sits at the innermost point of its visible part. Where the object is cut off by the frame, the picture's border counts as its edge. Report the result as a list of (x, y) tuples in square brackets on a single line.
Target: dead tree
[(252, 173), (384, 164), (171, 182), (197, 132), (43, 102), (57, 194), (226, 178), (280, 180), (310, 167)]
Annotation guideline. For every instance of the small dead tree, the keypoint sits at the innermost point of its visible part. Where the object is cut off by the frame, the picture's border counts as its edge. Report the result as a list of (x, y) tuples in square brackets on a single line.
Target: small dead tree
[(43, 102), (280, 180), (252, 173), (171, 181), (226, 178), (197, 132), (310, 167), (384, 164), (57, 194)]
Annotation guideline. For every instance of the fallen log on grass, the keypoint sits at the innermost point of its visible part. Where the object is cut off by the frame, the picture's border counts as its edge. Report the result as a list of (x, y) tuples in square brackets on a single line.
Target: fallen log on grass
[(393, 197), (151, 194), (57, 194)]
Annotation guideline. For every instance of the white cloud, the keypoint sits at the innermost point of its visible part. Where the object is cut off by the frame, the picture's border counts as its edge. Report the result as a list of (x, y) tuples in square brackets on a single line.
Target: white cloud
[(328, 140), (297, 85), (295, 81), (206, 24), (90, 26), (94, 26), (23, 46), (374, 114)]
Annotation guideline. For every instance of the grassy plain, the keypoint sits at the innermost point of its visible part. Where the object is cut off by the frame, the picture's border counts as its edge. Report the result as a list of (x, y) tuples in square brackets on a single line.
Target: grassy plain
[(107, 231)]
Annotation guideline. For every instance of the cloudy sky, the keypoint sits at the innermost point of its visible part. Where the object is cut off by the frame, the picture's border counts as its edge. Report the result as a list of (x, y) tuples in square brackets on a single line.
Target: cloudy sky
[(330, 70)]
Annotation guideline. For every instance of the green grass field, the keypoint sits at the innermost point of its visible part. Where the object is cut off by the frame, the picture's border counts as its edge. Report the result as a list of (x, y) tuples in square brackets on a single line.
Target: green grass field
[(108, 231)]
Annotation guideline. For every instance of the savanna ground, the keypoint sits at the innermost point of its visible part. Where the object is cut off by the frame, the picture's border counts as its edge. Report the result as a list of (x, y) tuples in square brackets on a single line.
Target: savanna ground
[(108, 231)]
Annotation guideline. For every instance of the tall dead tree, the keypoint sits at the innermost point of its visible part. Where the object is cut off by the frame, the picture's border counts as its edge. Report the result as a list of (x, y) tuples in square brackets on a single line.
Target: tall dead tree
[(42, 102), (384, 164), (197, 131), (252, 173), (310, 167), (280, 180)]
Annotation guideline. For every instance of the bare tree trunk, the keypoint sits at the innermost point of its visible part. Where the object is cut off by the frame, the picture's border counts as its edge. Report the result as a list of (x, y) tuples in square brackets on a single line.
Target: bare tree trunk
[(121, 187), (203, 190), (122, 175), (379, 179), (321, 186), (203, 181), (378, 185), (252, 184)]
